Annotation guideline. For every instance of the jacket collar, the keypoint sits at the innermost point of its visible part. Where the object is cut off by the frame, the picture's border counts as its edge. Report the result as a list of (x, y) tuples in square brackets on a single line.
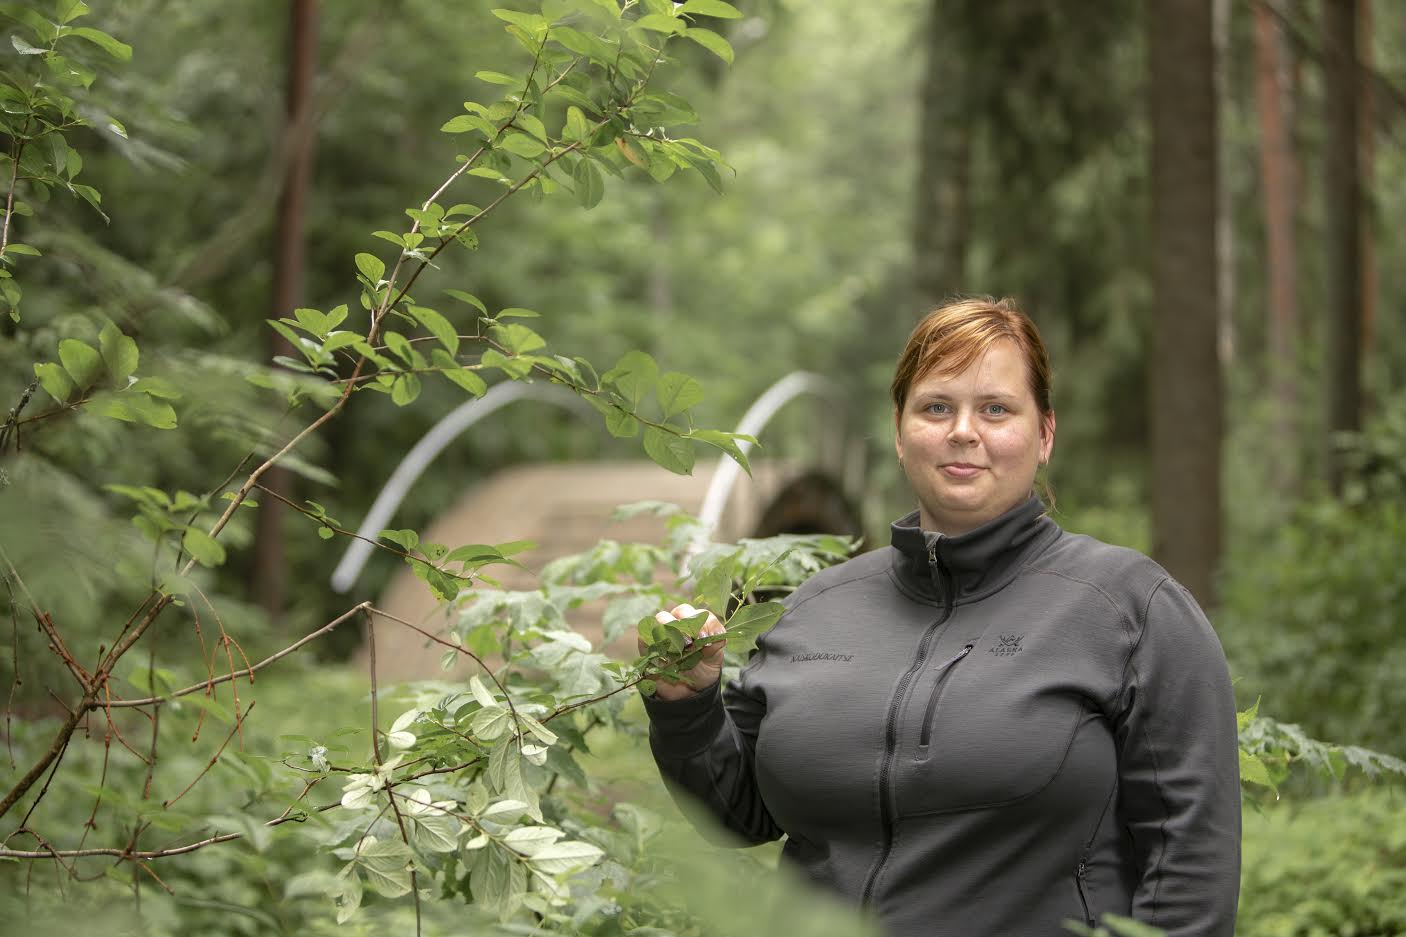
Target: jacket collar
[(960, 569)]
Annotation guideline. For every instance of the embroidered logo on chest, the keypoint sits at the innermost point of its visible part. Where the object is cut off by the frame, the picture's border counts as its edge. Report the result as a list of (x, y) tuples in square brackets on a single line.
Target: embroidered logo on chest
[(801, 658), (1007, 645)]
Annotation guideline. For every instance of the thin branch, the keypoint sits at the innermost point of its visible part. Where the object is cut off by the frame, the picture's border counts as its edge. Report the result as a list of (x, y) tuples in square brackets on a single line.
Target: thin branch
[(238, 724), (22, 139), (224, 678), (12, 418)]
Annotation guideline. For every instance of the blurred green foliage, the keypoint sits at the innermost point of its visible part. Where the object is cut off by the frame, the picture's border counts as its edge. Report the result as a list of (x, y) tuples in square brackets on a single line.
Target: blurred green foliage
[(1312, 611), (1331, 867)]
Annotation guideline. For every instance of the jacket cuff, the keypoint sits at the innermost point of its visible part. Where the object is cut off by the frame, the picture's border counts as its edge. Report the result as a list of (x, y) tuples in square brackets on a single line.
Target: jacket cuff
[(683, 727)]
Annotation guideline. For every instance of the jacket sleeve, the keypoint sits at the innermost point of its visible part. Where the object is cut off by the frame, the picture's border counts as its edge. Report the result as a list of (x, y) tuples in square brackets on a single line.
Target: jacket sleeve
[(1179, 770), (704, 746)]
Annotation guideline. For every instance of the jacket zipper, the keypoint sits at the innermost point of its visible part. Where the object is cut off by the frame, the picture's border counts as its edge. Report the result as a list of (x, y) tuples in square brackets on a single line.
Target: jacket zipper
[(946, 667), (886, 807), (1082, 871), (1083, 898)]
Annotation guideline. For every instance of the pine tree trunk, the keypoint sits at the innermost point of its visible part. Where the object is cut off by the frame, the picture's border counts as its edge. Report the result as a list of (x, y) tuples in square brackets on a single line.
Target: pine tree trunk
[(270, 560), (1185, 374), (1277, 175), (1342, 190), (941, 220)]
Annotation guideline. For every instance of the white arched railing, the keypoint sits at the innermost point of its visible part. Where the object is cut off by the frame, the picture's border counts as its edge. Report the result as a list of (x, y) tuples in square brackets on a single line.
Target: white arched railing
[(423, 453), (720, 487), (759, 414)]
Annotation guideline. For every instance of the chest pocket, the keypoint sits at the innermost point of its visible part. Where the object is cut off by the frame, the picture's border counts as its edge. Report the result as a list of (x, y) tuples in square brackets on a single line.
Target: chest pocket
[(990, 724)]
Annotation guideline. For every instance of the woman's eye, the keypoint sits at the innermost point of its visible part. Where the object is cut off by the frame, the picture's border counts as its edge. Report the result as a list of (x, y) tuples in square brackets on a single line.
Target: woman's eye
[(937, 408), (996, 409)]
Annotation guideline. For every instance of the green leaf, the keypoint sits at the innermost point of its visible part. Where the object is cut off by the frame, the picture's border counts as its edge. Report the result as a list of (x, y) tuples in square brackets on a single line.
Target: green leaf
[(14, 247), (55, 381), (497, 78), (532, 22), (515, 312), (1253, 771), (577, 127), (204, 548), (119, 352), (405, 389), (673, 452), (386, 864), (716, 8), (677, 392), (400, 346), (518, 339), (751, 620), (659, 23), (532, 125), (81, 361), (567, 856), (133, 406), (590, 187), (462, 376), (620, 422), (467, 122), (370, 266), (118, 50), (490, 722), (339, 340), (634, 375), (69, 10), (469, 298), (406, 539), (711, 41), (438, 326), (516, 368), (727, 442), (520, 144), (157, 387)]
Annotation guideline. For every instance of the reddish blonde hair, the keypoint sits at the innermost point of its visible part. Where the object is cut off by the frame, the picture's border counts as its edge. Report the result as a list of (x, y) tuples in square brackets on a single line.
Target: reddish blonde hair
[(952, 337)]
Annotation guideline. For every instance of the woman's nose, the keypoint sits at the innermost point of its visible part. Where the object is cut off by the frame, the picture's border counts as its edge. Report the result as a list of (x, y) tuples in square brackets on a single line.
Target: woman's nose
[(963, 432)]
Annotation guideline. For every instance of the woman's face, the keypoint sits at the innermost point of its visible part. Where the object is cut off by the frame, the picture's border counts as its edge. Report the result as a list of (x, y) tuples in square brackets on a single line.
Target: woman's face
[(970, 442)]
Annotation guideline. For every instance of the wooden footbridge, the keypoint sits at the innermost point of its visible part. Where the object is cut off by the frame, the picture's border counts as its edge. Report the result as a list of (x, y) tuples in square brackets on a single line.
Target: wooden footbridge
[(565, 508)]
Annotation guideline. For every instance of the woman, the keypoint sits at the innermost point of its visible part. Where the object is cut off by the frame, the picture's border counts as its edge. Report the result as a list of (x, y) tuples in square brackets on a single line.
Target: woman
[(990, 726)]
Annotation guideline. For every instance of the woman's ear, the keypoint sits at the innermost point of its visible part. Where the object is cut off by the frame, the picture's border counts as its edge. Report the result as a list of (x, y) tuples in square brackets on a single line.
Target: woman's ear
[(897, 435), (1047, 436)]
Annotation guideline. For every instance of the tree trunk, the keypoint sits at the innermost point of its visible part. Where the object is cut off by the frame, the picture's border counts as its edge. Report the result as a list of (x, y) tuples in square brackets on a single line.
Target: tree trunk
[(1226, 338), (1342, 190), (270, 560), (1368, 152), (1185, 374), (1277, 174), (941, 219)]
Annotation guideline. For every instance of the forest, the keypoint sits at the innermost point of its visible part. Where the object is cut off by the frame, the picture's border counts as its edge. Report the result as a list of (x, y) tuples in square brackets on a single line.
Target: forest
[(252, 254)]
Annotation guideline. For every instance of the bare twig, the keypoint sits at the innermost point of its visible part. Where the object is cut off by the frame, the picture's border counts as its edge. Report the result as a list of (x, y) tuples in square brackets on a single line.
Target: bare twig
[(224, 678), (238, 723), (12, 418)]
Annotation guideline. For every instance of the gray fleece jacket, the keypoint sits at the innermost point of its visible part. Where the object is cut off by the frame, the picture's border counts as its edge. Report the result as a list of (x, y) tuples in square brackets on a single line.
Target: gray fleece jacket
[(983, 736)]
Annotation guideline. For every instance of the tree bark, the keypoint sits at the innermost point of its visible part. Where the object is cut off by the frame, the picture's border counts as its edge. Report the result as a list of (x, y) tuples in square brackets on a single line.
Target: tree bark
[(1185, 374), (1226, 329), (1368, 152), (1342, 191), (941, 220), (270, 558), (1277, 174)]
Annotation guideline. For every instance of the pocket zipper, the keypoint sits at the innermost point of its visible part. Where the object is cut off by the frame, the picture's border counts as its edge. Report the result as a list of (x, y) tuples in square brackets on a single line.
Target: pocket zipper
[(1083, 898), (946, 667)]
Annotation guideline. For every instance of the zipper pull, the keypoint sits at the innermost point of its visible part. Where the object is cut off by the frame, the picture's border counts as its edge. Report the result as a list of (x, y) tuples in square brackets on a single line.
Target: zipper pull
[(1081, 870), (932, 554)]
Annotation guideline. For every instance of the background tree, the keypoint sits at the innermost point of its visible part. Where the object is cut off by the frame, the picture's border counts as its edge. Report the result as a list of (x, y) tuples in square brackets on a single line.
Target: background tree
[(1185, 370)]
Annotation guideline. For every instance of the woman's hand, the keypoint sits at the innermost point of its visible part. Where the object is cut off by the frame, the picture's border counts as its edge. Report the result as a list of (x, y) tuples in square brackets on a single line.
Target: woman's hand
[(710, 664)]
